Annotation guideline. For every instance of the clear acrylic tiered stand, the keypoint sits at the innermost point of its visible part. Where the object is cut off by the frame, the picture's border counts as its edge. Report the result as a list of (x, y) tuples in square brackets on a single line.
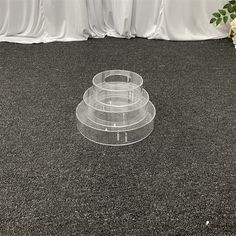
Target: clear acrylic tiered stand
[(116, 110)]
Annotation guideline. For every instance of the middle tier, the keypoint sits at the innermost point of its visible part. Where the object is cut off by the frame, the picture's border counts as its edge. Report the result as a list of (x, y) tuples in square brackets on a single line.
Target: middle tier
[(116, 110)]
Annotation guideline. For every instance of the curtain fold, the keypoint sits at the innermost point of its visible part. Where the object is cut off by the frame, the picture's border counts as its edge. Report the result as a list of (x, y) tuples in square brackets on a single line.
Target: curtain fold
[(34, 21)]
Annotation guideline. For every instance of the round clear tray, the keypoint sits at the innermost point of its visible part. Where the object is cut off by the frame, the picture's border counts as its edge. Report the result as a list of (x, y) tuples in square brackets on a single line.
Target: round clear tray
[(116, 110)]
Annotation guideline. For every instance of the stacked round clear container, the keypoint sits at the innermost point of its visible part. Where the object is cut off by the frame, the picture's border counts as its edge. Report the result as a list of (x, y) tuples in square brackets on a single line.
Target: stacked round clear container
[(116, 110)]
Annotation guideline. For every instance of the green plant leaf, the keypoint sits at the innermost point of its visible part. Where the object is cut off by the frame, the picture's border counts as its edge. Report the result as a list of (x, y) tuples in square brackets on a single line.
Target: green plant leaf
[(218, 21), (234, 8), (212, 20), (232, 2), (230, 9), (232, 16), (225, 19), (222, 12), (226, 6), (216, 14)]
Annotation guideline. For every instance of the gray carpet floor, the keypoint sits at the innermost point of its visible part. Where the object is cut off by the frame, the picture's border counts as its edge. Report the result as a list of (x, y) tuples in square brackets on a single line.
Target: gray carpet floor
[(181, 180)]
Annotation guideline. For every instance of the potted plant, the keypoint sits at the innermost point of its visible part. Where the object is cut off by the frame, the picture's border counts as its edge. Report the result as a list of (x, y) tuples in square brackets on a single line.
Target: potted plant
[(224, 15)]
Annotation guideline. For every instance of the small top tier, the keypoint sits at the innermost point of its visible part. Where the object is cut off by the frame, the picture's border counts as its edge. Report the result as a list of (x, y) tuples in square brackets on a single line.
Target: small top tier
[(117, 81)]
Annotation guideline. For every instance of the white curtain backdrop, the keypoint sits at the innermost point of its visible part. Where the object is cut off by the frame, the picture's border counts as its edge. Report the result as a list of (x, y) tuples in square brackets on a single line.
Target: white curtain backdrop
[(33, 21)]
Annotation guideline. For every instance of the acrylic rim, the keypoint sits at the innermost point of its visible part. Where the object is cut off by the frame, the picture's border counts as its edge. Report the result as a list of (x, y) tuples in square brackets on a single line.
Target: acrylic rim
[(117, 72)]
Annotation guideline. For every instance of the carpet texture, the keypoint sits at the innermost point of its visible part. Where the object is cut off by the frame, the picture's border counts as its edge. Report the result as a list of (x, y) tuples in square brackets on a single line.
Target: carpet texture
[(181, 180)]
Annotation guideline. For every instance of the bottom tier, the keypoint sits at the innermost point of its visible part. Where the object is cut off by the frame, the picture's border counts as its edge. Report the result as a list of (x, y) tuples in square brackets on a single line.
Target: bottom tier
[(114, 136)]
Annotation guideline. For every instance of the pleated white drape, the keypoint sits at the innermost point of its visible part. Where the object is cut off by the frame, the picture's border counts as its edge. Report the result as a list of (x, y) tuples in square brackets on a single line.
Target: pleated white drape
[(32, 21)]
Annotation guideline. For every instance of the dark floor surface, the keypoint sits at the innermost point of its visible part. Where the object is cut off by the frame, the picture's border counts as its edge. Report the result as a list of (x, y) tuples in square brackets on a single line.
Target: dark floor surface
[(181, 180)]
